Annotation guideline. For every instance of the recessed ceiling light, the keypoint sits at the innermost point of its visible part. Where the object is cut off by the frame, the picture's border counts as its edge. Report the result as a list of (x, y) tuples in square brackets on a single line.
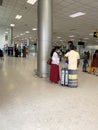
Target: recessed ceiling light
[(6, 32), (58, 37), (71, 36), (27, 32), (91, 34), (61, 40), (32, 2), (18, 16), (34, 28), (86, 38), (21, 34), (12, 25), (77, 14), (72, 39)]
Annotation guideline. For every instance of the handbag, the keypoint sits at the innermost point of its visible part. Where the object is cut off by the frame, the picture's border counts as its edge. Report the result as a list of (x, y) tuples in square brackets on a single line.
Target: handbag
[(49, 61)]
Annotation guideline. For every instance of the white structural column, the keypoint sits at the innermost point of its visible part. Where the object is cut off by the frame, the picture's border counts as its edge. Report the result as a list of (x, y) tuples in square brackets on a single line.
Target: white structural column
[(11, 36), (28, 42), (44, 36)]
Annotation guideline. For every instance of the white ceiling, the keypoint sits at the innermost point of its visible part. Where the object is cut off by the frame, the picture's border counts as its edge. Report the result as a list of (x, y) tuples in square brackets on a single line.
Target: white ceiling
[(63, 25)]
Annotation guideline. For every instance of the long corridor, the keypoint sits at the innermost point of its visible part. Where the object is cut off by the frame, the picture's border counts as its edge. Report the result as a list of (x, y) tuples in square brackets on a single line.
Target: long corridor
[(28, 102)]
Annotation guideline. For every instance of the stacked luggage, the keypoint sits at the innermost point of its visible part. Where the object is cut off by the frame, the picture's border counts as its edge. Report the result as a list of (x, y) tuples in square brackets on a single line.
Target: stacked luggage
[(69, 78), (64, 77)]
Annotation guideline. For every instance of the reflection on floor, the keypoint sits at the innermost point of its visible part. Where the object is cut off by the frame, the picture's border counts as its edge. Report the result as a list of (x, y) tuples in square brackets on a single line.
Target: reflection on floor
[(28, 102)]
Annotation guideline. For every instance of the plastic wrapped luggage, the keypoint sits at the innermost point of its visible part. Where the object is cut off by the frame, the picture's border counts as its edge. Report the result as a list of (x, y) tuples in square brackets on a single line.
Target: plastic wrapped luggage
[(64, 77)]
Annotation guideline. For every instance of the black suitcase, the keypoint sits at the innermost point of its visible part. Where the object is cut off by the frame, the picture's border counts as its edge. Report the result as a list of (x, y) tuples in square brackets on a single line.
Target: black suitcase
[(64, 77)]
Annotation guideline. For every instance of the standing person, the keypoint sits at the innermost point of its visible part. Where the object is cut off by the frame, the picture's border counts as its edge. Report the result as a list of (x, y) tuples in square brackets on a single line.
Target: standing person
[(24, 51), (85, 62), (94, 63), (73, 58), (16, 50), (1, 54), (54, 68), (73, 62)]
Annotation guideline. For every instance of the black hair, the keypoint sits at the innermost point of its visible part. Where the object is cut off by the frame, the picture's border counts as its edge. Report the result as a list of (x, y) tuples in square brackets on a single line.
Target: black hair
[(71, 46), (53, 50), (70, 42)]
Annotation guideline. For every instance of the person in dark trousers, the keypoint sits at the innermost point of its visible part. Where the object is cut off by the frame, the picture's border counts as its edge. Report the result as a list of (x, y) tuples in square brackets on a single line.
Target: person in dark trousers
[(1, 55), (24, 51), (85, 62)]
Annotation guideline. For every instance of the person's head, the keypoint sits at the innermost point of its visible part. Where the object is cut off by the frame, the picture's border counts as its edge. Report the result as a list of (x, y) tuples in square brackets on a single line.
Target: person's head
[(70, 42), (71, 47), (57, 48)]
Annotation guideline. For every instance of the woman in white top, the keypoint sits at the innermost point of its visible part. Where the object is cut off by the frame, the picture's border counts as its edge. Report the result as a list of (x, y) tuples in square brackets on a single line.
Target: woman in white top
[(54, 68)]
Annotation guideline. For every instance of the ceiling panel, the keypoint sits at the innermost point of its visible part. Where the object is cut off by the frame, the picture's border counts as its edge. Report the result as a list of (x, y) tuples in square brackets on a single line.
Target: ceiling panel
[(63, 25)]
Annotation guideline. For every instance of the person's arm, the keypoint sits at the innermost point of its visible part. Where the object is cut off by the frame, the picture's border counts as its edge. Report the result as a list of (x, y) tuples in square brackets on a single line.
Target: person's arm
[(78, 62), (66, 56)]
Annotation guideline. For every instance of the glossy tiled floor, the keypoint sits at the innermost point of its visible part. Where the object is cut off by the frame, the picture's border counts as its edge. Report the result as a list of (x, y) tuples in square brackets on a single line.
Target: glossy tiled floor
[(31, 103)]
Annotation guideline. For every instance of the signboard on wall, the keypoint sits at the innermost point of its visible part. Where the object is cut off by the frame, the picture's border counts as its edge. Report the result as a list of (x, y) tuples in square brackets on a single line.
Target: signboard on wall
[(95, 34)]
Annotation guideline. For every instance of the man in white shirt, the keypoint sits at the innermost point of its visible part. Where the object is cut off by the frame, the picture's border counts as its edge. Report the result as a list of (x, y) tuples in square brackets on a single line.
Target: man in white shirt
[(73, 58), (73, 62)]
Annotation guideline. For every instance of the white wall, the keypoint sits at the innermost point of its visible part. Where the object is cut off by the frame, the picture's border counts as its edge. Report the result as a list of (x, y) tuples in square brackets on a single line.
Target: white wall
[(2, 41)]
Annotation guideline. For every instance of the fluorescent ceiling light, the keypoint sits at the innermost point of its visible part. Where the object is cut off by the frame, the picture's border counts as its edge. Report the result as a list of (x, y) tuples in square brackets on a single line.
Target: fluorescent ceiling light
[(6, 32), (77, 14), (86, 38), (18, 16), (32, 2), (61, 40), (12, 25), (27, 32), (58, 37), (72, 39), (91, 34), (34, 28), (71, 36), (21, 34)]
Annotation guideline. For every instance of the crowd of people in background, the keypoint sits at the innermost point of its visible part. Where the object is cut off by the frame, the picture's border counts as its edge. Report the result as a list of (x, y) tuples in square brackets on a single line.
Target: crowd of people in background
[(19, 51), (90, 62)]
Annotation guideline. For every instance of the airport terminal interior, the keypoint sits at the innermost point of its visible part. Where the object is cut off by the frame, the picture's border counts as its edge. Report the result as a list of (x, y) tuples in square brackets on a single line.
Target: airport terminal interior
[(29, 101)]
